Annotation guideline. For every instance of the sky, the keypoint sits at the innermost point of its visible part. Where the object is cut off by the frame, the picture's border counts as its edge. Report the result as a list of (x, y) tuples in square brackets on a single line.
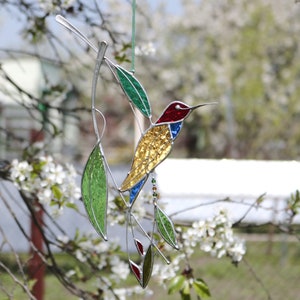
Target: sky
[(10, 28), (173, 5)]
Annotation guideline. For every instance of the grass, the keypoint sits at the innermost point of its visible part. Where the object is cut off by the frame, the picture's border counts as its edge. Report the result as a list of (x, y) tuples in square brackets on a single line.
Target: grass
[(267, 273), (264, 274)]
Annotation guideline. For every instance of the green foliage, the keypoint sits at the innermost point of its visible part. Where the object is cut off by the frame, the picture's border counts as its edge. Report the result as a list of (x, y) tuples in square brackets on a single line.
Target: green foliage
[(294, 203), (184, 285), (122, 56), (57, 192), (201, 288), (36, 29), (186, 291), (31, 283), (176, 284)]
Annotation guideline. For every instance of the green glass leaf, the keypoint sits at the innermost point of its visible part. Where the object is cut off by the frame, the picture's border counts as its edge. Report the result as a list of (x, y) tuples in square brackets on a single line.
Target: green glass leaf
[(201, 288), (176, 284), (134, 90), (94, 190), (147, 266), (165, 227)]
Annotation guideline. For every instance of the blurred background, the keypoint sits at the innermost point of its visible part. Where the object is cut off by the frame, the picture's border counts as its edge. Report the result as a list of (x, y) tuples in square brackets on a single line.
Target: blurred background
[(243, 54)]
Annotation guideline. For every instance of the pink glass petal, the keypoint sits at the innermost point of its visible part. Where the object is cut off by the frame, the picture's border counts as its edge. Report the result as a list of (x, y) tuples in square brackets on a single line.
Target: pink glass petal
[(139, 247), (136, 270)]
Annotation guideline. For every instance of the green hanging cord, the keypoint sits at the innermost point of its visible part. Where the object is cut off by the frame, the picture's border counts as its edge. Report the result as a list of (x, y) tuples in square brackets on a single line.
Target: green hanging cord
[(133, 37)]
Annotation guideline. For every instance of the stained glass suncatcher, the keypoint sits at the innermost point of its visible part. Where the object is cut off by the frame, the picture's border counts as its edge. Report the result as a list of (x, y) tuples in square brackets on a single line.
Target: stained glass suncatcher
[(153, 148)]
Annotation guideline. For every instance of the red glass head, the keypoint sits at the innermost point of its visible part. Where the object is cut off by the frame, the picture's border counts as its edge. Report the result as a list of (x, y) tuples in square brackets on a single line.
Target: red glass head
[(175, 112)]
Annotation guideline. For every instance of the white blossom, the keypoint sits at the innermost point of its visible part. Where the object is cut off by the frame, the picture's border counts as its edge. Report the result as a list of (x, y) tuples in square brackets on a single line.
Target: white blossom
[(64, 239), (70, 273), (218, 237), (145, 49), (237, 251), (80, 256), (45, 196), (119, 268), (102, 263), (52, 6), (46, 180), (163, 272), (20, 172)]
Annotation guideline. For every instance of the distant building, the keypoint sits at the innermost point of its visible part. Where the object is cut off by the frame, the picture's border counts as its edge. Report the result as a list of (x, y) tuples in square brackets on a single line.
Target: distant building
[(24, 86)]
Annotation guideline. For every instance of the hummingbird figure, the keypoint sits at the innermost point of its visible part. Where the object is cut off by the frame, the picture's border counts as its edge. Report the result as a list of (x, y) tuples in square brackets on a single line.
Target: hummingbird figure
[(155, 145)]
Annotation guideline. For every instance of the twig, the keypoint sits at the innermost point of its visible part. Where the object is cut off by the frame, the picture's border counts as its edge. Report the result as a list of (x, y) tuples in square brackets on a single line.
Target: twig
[(260, 198), (16, 280), (258, 279)]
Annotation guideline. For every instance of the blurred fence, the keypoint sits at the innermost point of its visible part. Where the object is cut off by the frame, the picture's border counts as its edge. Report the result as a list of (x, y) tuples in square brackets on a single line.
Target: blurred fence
[(194, 188)]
